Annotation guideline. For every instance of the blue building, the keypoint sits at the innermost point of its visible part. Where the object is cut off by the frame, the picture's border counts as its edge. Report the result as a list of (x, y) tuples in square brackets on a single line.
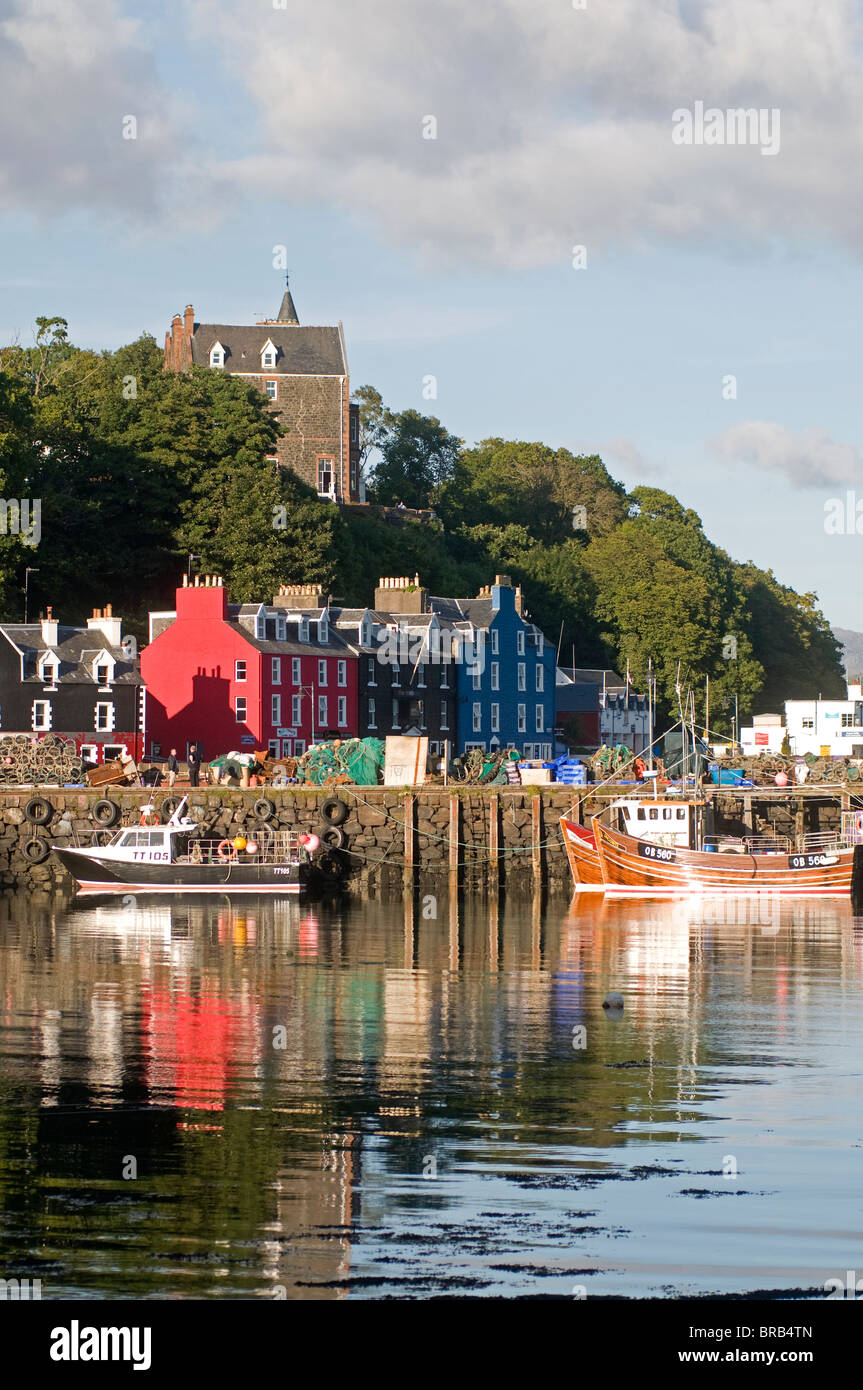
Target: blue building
[(505, 672)]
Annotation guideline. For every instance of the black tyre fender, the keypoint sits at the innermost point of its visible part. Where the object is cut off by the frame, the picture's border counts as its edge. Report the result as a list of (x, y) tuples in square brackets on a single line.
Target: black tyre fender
[(36, 851), (335, 811), (264, 808), (38, 811), (168, 806), (106, 812), (332, 836)]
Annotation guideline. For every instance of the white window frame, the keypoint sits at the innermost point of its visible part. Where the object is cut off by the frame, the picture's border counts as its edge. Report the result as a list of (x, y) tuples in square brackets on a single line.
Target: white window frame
[(522, 719), (281, 627), (217, 355), (240, 718), (372, 671), (299, 747), (322, 672), (477, 717), (272, 395), (372, 712), (342, 712), (273, 747), (522, 675), (477, 680), (421, 675), (342, 673), (495, 675), (276, 670), (495, 719), (296, 710), (540, 719), (104, 724), (519, 642), (495, 641), (275, 710), (323, 712), (287, 747), (444, 717), (241, 679), (540, 678), (304, 629), (41, 722), (296, 671)]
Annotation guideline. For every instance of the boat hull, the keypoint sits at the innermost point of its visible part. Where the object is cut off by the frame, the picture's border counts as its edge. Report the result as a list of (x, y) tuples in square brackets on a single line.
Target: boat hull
[(631, 866), (104, 875), (583, 856)]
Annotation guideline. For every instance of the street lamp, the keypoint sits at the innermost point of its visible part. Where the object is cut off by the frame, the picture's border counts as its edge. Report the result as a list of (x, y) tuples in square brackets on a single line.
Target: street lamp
[(31, 570)]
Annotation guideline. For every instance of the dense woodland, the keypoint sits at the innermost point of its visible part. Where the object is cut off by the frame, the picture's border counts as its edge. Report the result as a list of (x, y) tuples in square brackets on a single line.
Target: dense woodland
[(137, 468)]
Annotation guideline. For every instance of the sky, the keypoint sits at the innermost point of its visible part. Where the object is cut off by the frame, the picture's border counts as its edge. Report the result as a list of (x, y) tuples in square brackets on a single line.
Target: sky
[(545, 206)]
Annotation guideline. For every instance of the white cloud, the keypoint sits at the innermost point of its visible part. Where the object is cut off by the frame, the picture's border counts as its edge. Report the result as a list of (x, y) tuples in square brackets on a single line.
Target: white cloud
[(554, 124), (70, 72), (628, 456), (807, 458)]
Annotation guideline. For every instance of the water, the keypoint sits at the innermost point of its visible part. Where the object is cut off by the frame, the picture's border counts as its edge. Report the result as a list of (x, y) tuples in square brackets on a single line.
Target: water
[(257, 1099)]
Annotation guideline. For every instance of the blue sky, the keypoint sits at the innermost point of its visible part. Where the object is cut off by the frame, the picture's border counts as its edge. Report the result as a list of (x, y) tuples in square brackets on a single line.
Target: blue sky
[(302, 126)]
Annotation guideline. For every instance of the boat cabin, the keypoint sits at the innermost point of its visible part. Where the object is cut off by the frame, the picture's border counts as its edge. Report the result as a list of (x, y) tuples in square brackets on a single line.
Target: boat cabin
[(663, 821)]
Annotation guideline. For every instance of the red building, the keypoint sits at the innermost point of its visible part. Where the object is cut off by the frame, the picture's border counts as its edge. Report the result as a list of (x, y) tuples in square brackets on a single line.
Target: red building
[(253, 675)]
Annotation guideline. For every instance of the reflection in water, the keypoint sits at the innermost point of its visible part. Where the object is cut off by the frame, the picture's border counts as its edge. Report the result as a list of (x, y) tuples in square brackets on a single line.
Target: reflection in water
[(413, 1097)]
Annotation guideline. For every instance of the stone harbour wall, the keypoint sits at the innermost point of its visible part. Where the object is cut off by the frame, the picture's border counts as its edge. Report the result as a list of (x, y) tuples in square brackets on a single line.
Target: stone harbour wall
[(487, 837)]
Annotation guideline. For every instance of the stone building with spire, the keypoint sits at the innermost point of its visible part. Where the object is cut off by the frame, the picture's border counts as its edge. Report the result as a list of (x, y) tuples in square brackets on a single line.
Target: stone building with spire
[(303, 372)]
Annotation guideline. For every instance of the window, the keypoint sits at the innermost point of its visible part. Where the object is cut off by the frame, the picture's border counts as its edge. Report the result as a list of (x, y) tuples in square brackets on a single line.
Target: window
[(104, 717), (299, 747), (261, 626), (103, 675), (540, 719), (322, 673), (90, 752), (296, 711), (477, 718), (653, 813), (342, 708), (286, 747), (522, 676), (371, 671), (807, 723), (326, 477), (495, 675), (495, 719), (276, 670), (273, 747), (519, 641), (397, 675), (295, 670), (217, 355), (240, 709), (49, 674), (477, 678), (323, 629), (495, 641), (239, 670), (322, 712), (444, 714), (372, 715), (304, 629), (353, 427), (421, 674), (272, 389), (539, 677), (444, 676), (281, 627), (847, 721), (268, 354), (540, 642), (395, 714), (522, 719), (276, 710), (342, 673), (42, 714), (681, 813)]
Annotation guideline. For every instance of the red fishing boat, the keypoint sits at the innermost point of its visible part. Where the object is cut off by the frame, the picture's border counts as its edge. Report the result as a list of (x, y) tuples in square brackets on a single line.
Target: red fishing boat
[(580, 843)]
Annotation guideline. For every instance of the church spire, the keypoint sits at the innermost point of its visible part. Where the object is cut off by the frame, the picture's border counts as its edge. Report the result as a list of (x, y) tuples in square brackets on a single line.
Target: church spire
[(287, 313)]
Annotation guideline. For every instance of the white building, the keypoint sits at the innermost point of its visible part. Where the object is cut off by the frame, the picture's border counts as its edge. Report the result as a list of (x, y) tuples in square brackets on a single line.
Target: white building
[(827, 726), (624, 718), (764, 735)]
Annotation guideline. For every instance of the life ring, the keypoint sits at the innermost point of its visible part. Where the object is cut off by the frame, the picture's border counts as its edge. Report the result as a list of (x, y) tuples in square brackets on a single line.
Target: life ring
[(335, 810), (38, 811), (264, 808), (36, 851), (226, 849), (106, 812), (149, 818), (332, 835)]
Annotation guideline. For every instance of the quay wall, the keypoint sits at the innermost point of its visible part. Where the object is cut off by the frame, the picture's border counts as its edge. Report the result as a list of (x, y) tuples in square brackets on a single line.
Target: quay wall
[(489, 837)]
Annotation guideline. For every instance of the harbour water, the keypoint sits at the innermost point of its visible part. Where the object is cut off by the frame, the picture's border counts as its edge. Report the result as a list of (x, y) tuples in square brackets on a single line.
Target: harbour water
[(258, 1099)]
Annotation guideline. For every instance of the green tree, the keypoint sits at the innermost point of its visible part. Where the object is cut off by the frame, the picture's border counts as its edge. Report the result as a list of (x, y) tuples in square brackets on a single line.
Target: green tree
[(418, 456)]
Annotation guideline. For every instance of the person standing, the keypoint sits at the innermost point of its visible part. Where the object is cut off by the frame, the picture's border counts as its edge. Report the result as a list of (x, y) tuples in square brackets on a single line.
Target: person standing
[(194, 761), (173, 767)]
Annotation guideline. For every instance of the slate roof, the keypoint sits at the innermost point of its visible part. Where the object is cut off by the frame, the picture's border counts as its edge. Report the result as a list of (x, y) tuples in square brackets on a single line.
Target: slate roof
[(301, 351), (76, 649), (334, 647)]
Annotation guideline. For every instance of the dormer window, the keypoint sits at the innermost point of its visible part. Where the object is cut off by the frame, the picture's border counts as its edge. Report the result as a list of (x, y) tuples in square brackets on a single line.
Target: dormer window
[(324, 629), (103, 669), (304, 629), (268, 354), (217, 355), (281, 627), (261, 626), (49, 668)]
